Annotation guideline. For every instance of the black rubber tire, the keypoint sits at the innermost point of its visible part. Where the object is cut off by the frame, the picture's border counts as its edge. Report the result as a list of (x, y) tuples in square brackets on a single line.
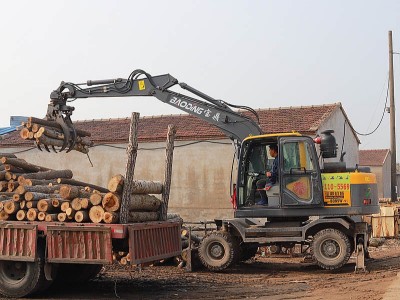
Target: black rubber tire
[(331, 249), (218, 250), (248, 251), (19, 279), (77, 273)]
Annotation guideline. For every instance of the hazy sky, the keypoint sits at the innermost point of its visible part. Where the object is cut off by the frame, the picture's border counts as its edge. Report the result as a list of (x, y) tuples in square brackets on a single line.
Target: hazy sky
[(256, 53)]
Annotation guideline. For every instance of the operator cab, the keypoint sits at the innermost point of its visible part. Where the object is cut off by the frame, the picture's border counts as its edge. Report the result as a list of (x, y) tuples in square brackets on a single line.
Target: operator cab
[(299, 176)]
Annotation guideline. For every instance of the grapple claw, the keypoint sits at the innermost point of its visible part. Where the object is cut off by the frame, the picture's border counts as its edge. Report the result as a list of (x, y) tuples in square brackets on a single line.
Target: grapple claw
[(54, 149), (47, 148), (38, 146)]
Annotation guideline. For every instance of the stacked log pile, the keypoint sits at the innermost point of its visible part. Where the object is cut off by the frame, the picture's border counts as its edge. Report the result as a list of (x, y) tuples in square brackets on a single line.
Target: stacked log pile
[(50, 134)]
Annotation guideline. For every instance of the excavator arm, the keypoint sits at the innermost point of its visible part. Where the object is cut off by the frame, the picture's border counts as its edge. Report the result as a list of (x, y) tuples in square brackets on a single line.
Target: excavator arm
[(234, 124)]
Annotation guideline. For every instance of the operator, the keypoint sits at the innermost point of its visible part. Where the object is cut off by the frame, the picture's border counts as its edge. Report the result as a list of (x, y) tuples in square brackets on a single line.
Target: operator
[(272, 177)]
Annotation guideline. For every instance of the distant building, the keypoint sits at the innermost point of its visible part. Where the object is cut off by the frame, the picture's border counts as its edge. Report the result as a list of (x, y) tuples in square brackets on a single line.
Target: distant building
[(203, 156), (379, 162)]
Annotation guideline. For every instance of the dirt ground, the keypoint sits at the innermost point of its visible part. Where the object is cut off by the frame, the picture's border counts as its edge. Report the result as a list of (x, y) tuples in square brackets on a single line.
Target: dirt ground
[(271, 277)]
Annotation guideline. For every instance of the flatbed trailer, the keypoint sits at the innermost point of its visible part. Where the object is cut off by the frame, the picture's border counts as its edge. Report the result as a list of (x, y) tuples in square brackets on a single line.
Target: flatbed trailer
[(34, 254)]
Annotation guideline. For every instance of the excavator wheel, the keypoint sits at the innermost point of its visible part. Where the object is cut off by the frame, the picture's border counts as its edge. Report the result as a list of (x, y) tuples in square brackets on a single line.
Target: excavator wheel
[(218, 250), (331, 249)]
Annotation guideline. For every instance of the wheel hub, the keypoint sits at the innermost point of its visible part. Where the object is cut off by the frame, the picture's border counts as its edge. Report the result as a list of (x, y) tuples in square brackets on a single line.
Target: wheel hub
[(330, 248), (14, 270), (216, 250)]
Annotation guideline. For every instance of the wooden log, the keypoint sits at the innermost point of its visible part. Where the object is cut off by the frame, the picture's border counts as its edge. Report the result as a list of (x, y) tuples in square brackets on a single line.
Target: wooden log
[(22, 204), (35, 128), (33, 182), (146, 187), (41, 216), (53, 124), (3, 185), (85, 203), (11, 207), (62, 217), (21, 215), (4, 216), (137, 216), (56, 202), (96, 214), (59, 143), (55, 134), (110, 217), (31, 204), (96, 198), (6, 194), (70, 212), (45, 205), (10, 175), (169, 155), (1, 205), (2, 175), (65, 206), (51, 217), (17, 197), (51, 174), (111, 202), (12, 185), (30, 196), (81, 183), (22, 164), (76, 204), (12, 169), (144, 203), (32, 213), (10, 155), (44, 189), (82, 216), (24, 133), (116, 183), (71, 192)]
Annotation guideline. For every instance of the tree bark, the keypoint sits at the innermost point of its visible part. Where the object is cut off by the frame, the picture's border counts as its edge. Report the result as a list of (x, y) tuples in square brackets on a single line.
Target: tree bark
[(10, 155), (30, 196), (12, 185), (33, 182), (59, 143), (116, 184), (51, 174), (3, 185), (111, 217), (51, 217), (2, 175), (31, 204), (111, 202), (22, 164), (144, 203), (70, 212), (146, 187), (45, 205), (81, 183), (130, 167), (169, 155), (82, 216), (136, 216), (37, 189), (71, 192), (54, 124), (13, 169), (96, 214), (11, 207)]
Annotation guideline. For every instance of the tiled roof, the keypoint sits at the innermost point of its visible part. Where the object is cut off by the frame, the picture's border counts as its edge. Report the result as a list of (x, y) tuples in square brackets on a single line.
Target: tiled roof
[(374, 157), (305, 119)]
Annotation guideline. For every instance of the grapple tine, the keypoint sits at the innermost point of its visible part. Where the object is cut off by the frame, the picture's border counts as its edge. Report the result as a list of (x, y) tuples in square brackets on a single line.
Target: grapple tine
[(73, 139), (38, 146), (66, 130), (54, 149), (47, 148)]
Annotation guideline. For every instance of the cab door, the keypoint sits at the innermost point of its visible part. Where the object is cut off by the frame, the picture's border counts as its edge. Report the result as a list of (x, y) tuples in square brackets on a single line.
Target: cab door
[(300, 176)]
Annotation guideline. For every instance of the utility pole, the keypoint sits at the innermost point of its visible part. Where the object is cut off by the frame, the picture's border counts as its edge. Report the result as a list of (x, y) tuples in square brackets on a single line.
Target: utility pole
[(393, 184)]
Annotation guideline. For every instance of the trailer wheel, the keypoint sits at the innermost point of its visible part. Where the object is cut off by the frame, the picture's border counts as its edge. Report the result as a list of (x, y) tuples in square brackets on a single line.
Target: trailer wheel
[(218, 250), (19, 279), (331, 249)]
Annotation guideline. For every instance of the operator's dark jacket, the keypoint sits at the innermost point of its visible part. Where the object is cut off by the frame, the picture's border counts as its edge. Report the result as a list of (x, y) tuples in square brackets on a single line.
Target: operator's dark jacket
[(274, 171)]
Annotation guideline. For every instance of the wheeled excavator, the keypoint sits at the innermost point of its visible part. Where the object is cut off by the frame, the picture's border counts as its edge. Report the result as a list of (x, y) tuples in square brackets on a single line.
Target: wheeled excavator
[(314, 204)]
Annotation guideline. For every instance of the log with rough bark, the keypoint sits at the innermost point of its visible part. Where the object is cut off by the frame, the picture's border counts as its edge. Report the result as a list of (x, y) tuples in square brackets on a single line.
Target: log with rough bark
[(146, 187), (32, 213), (136, 216), (51, 217), (82, 216), (169, 155), (11, 207), (144, 203), (6, 194), (21, 215), (55, 134), (70, 192), (12, 169), (2, 175), (116, 183), (81, 183), (10, 175), (59, 143), (96, 198), (44, 189), (1, 205), (51, 174), (85, 203), (65, 206), (70, 212), (30, 196), (24, 133), (110, 217), (62, 217), (3, 185), (96, 214), (53, 124), (41, 216), (45, 205), (111, 202), (33, 182), (22, 164), (76, 204), (12, 185), (10, 155)]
